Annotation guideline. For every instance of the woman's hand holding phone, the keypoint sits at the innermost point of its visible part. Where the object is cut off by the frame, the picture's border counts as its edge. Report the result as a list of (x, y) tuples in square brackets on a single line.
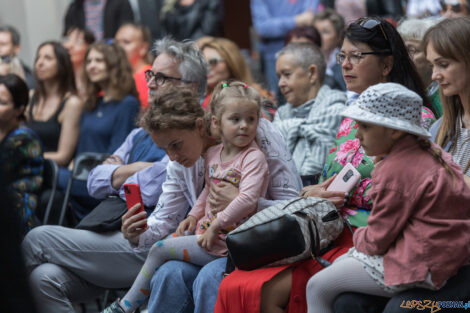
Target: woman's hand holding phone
[(188, 224), (134, 223), (320, 191)]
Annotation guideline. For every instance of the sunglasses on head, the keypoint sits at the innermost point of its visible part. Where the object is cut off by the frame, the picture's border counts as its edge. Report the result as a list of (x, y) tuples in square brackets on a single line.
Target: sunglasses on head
[(370, 24)]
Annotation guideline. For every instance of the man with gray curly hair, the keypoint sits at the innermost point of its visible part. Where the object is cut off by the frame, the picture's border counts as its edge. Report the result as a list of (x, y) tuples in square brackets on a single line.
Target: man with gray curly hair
[(176, 63)]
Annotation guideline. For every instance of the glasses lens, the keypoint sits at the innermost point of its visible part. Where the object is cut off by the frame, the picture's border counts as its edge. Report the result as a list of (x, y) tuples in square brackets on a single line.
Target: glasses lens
[(369, 24), (148, 75), (456, 8), (213, 62), (339, 58)]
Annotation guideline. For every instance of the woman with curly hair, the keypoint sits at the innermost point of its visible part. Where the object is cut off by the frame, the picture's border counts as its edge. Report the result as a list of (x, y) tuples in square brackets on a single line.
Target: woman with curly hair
[(111, 107)]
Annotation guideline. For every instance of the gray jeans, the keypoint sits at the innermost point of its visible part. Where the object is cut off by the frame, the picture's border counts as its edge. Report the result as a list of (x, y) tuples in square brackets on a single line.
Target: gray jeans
[(71, 265)]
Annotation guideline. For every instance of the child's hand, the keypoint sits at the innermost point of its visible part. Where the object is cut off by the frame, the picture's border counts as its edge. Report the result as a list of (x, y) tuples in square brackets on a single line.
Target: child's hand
[(188, 224), (207, 239)]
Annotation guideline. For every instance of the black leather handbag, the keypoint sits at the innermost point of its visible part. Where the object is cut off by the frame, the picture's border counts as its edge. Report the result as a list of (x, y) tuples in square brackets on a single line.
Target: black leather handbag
[(287, 232), (105, 217)]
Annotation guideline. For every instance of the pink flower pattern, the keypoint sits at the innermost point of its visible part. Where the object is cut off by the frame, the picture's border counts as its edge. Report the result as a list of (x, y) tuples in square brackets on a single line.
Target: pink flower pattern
[(346, 151), (344, 128)]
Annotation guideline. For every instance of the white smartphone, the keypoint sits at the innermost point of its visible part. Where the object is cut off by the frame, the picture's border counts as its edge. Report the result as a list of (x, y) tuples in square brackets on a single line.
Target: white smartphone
[(346, 179)]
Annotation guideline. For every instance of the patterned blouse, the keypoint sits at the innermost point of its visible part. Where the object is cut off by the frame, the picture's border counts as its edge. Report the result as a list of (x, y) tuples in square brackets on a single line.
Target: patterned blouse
[(22, 163), (348, 149)]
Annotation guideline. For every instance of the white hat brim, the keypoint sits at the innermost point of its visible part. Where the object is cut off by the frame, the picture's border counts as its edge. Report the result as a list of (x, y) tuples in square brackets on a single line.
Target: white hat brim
[(358, 114)]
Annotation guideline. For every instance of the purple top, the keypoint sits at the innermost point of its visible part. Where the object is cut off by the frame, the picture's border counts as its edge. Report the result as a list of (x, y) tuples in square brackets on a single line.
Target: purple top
[(149, 179)]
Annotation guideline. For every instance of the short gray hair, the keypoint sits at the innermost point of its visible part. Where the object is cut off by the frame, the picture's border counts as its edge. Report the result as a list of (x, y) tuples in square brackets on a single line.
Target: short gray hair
[(305, 55), (414, 29), (192, 64)]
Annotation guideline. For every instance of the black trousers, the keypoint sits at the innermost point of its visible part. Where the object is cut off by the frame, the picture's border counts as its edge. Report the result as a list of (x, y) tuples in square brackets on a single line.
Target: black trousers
[(456, 289)]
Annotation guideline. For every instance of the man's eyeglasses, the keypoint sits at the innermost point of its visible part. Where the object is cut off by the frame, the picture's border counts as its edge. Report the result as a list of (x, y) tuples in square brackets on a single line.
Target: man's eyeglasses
[(214, 61), (356, 57), (160, 78), (370, 24)]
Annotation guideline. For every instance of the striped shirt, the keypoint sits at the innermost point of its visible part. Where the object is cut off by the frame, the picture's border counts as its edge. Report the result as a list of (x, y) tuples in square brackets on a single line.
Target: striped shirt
[(461, 151), (94, 10), (310, 129)]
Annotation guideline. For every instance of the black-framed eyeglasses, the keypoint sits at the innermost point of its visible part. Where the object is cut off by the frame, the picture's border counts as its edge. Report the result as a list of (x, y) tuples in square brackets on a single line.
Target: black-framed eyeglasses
[(356, 57), (214, 61), (370, 24), (160, 78)]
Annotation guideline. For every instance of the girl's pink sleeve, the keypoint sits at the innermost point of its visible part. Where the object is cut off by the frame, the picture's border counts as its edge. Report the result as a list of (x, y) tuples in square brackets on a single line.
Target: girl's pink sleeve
[(253, 185)]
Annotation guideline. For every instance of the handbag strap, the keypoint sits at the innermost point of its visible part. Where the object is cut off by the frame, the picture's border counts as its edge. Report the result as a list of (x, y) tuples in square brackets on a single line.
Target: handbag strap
[(315, 243)]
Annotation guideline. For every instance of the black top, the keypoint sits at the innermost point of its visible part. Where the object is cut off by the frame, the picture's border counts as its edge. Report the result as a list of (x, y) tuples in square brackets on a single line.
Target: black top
[(48, 131)]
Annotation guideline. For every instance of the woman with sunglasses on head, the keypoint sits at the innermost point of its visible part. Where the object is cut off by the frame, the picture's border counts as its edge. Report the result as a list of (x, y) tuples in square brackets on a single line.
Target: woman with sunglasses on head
[(225, 62), (111, 107), (372, 52)]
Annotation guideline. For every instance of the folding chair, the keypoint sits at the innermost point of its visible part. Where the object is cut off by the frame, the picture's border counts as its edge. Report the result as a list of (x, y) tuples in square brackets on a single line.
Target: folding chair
[(50, 175), (83, 164)]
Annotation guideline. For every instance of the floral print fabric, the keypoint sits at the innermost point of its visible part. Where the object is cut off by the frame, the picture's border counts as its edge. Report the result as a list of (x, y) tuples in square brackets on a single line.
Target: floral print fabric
[(347, 149), (22, 164)]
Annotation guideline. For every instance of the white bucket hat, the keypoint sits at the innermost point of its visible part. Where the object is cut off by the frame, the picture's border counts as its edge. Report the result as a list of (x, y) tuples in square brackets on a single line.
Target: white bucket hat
[(390, 105)]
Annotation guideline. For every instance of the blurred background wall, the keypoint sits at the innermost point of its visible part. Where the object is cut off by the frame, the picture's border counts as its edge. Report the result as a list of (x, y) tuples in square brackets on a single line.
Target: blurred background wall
[(36, 20)]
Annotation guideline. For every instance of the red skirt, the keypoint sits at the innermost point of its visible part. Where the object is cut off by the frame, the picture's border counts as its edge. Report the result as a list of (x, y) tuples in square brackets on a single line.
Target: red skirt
[(241, 290)]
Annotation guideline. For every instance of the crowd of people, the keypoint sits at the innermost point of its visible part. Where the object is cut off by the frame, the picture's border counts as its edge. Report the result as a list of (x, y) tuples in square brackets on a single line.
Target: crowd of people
[(175, 108)]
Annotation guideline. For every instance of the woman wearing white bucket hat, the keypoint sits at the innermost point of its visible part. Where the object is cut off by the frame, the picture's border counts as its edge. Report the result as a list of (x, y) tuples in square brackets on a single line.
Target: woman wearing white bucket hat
[(399, 248)]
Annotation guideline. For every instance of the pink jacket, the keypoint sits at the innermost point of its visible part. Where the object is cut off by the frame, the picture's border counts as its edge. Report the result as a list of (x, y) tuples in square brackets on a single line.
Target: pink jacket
[(420, 219)]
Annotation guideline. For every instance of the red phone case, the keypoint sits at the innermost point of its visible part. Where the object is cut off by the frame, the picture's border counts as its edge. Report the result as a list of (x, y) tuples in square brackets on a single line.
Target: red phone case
[(133, 196)]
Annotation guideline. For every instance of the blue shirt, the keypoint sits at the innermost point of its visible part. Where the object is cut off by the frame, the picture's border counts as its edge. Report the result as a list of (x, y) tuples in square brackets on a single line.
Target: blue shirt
[(272, 20), (106, 127)]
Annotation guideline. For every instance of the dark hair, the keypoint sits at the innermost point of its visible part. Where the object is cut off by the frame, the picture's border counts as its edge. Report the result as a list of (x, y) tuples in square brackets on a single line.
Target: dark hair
[(309, 32), (88, 35), (18, 90), (64, 77), (403, 71), (15, 35)]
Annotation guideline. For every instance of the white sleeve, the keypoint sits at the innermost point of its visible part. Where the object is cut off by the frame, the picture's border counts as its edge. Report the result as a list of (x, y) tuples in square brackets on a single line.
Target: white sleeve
[(179, 194), (284, 181)]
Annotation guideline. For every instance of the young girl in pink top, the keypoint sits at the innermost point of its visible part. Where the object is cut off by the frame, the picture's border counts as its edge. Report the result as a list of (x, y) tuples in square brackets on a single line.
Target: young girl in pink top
[(235, 109), (419, 228)]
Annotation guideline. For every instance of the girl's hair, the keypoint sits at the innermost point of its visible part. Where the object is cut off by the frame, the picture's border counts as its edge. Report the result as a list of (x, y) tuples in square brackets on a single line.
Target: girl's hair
[(450, 39), (232, 56), (65, 77), (309, 32), (121, 82), (386, 39), (232, 90), (425, 144), (18, 90), (176, 108)]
